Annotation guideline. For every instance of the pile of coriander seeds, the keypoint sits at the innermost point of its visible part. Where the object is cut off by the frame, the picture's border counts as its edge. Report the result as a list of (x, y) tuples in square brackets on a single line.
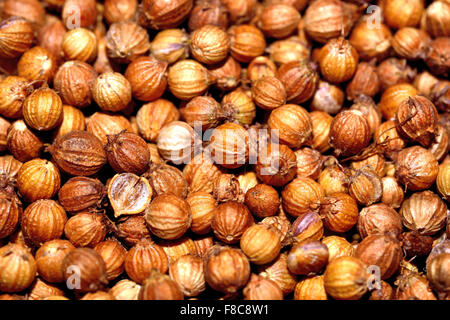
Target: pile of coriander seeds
[(224, 150)]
